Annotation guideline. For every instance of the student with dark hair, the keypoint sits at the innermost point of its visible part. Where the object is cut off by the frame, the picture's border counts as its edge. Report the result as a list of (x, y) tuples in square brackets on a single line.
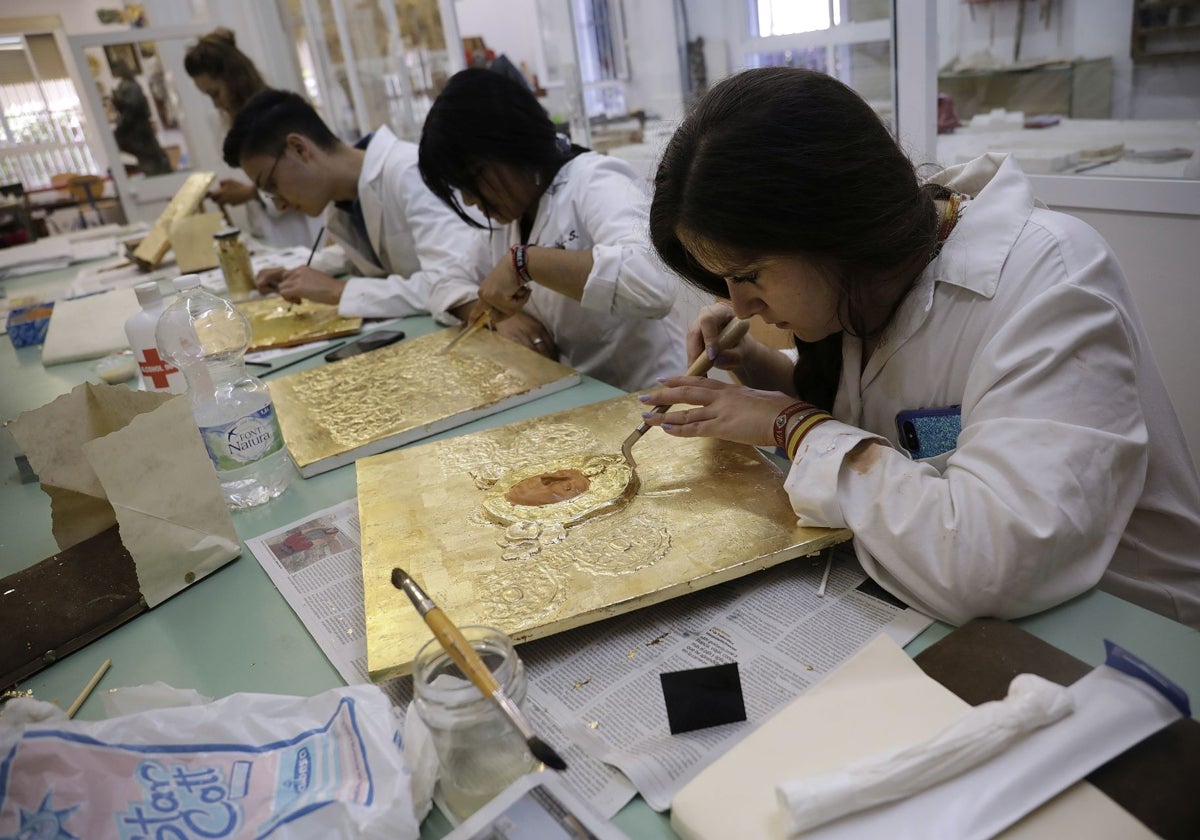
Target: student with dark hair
[(392, 232), (956, 318), (228, 77), (564, 258)]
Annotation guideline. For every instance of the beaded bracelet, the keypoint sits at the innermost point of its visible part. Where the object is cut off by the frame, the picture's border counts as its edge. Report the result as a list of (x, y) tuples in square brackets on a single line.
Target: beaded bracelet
[(520, 262), (779, 427), (807, 424)]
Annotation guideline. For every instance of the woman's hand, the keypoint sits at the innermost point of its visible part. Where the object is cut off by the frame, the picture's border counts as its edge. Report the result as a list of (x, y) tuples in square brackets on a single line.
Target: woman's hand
[(527, 330), (730, 412), (703, 333), (233, 193), (267, 281), (502, 289), (751, 361), (306, 283)]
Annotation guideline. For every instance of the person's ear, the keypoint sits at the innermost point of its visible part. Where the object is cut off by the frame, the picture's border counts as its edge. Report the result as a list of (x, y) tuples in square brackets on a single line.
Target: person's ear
[(301, 146)]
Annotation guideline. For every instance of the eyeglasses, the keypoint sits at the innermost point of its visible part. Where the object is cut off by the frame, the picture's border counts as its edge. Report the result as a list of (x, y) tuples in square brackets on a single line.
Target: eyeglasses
[(269, 187)]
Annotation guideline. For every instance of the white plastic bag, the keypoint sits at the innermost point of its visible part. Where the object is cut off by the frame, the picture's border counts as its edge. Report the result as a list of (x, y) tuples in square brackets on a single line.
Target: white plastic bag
[(246, 766)]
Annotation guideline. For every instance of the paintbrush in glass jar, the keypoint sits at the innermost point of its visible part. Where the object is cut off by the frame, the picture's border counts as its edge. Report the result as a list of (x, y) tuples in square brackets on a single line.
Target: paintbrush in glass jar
[(468, 661)]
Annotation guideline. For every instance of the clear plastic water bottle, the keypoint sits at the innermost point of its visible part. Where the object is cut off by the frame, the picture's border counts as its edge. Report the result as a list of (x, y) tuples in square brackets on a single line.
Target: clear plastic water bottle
[(206, 337)]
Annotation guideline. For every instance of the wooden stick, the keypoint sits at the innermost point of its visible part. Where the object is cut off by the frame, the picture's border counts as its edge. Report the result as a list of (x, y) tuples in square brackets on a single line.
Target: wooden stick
[(825, 577), (87, 689)]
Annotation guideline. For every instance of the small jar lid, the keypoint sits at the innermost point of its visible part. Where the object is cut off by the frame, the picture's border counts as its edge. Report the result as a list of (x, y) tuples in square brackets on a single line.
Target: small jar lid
[(147, 293), (186, 281)]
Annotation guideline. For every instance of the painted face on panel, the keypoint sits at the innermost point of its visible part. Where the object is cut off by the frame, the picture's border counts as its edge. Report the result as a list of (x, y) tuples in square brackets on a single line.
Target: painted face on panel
[(503, 193), (290, 178), (216, 90), (789, 292)]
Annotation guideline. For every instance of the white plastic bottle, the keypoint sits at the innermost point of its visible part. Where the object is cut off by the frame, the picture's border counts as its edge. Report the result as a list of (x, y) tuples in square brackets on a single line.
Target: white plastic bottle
[(206, 337), (156, 373)]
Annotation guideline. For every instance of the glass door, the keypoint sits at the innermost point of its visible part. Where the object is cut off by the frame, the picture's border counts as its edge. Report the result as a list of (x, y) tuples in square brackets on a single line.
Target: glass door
[(367, 63)]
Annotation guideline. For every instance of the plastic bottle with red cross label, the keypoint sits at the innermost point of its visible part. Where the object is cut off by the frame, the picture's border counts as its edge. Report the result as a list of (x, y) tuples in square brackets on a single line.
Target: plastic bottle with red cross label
[(206, 337), (156, 373)]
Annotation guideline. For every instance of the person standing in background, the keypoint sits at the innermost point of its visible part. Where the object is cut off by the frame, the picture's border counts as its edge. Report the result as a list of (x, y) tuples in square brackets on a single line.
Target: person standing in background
[(228, 77), (134, 131)]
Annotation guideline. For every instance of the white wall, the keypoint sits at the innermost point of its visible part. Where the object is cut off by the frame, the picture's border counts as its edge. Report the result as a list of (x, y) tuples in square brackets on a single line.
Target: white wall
[(1159, 255), (509, 27), (1077, 29), (78, 16)]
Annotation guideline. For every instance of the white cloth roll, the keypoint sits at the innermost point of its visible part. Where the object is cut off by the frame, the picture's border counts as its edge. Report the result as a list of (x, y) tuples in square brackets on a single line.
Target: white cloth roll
[(981, 733)]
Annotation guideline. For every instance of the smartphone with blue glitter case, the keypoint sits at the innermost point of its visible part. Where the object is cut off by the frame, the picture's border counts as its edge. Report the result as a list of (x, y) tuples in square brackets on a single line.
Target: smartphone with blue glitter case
[(929, 432)]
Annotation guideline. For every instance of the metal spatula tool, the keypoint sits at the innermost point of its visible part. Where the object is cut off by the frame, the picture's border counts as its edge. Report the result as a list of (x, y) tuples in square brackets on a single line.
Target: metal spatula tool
[(734, 331)]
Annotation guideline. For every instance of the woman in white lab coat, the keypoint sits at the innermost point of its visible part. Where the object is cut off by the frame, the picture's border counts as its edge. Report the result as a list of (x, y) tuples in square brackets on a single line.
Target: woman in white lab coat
[(992, 338), (228, 77), (564, 260)]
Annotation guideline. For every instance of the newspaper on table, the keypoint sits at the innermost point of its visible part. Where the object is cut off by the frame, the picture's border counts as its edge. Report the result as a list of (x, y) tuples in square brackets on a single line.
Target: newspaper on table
[(595, 690)]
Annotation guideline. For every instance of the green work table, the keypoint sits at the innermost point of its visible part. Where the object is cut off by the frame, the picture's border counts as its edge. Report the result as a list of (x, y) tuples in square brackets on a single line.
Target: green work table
[(234, 632)]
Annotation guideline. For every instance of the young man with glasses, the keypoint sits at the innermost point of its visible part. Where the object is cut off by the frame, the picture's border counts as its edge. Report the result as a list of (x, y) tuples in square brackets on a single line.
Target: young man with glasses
[(393, 235)]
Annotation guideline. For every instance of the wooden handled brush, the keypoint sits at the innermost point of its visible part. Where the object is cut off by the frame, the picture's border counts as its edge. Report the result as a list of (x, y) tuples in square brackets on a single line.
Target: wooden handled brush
[(460, 650)]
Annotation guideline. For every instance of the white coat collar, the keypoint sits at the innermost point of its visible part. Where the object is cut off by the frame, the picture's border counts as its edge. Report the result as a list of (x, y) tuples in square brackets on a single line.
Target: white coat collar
[(545, 210), (975, 252), (370, 184)]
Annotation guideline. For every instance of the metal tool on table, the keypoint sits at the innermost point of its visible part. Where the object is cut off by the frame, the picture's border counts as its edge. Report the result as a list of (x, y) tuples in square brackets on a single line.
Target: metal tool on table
[(734, 332), (473, 668), (479, 322)]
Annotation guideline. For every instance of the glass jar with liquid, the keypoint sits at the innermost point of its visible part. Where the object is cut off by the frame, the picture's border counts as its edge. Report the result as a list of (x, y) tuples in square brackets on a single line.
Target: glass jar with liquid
[(479, 752)]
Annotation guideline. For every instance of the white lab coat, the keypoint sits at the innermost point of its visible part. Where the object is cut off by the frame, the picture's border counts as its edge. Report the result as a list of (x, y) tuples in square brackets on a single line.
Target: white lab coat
[(1071, 469), (623, 331), (415, 236)]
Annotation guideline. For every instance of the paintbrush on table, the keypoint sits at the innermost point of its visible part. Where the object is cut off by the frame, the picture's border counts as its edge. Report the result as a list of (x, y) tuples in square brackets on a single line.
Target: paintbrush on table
[(734, 331), (460, 650)]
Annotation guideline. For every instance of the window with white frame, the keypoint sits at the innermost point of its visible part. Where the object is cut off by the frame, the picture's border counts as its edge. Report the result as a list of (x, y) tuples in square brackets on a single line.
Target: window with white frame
[(848, 39), (603, 65), (41, 119)]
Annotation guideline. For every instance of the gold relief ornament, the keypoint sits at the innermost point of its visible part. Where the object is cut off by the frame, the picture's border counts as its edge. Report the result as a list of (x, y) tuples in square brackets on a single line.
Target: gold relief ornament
[(520, 594), (706, 511), (612, 481), (340, 412)]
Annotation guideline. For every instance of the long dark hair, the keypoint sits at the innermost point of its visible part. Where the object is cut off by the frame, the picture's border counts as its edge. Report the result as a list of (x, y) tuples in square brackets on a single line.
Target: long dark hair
[(787, 162), (216, 54), (481, 117)]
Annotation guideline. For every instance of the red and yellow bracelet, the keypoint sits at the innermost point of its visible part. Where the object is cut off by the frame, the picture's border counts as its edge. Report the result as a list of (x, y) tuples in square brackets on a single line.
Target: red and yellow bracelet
[(805, 424), (779, 427)]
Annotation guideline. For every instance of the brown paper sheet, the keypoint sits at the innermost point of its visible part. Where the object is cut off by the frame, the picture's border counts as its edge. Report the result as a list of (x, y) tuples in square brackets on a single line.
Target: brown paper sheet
[(108, 455), (706, 511), (173, 518), (192, 241)]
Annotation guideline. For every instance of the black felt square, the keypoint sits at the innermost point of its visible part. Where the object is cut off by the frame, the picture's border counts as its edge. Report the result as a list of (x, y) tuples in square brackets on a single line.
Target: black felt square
[(703, 697)]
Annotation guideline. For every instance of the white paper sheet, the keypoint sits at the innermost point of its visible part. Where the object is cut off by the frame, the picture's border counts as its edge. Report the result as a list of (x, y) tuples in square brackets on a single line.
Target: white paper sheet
[(878, 700), (784, 637)]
